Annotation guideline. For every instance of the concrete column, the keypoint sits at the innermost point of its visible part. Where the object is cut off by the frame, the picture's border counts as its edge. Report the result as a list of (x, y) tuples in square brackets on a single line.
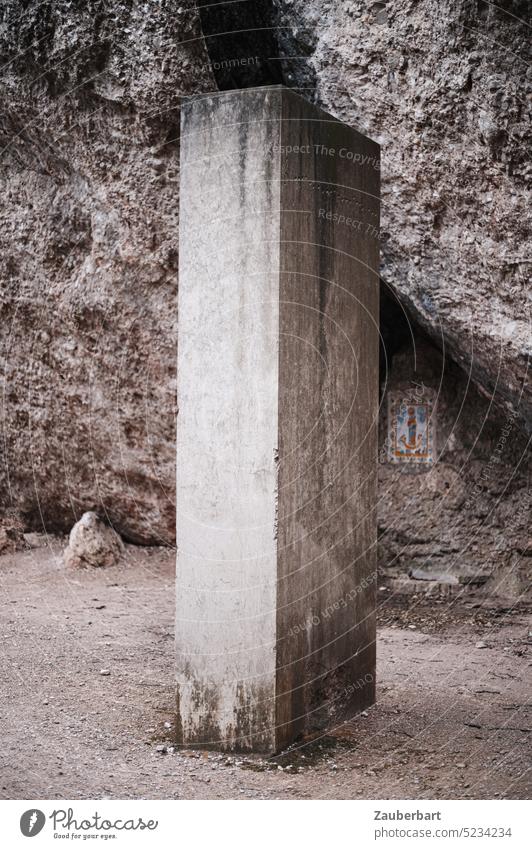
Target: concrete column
[(276, 442)]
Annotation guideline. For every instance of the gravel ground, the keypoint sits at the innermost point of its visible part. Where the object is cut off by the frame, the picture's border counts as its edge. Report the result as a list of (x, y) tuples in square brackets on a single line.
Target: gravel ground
[(87, 697)]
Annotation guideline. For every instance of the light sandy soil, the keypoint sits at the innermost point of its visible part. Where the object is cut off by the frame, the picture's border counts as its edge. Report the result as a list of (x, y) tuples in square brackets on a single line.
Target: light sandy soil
[(452, 720)]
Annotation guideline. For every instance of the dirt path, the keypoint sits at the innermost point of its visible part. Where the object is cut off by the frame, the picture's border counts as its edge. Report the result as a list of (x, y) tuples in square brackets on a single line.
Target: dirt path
[(452, 720)]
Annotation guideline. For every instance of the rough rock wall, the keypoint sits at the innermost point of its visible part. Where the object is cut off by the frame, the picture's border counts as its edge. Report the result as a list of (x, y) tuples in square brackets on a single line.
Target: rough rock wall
[(89, 153), (465, 519), (89, 122), (445, 88)]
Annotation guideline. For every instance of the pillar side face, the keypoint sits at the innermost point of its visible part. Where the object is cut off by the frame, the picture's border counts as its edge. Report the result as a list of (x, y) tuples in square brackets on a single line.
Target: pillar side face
[(227, 434), (328, 400)]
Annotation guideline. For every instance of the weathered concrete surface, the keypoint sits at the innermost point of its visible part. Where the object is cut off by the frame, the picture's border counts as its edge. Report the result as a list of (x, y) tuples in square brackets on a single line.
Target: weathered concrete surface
[(276, 438), (327, 420), (227, 425)]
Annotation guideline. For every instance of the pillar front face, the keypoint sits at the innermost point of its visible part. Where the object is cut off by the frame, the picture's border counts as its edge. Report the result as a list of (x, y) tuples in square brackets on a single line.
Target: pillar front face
[(228, 378), (277, 396)]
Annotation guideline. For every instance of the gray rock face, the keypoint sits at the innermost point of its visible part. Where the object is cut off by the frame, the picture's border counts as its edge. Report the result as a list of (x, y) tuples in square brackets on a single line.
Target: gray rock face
[(89, 153), (445, 89), (11, 535), (92, 543), (89, 150), (466, 516)]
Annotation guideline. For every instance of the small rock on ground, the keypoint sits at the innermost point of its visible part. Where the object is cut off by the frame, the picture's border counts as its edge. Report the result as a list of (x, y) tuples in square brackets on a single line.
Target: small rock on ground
[(93, 543)]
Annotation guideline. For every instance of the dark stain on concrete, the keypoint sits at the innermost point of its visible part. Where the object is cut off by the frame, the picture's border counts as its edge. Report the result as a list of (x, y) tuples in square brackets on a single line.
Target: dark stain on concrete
[(327, 446)]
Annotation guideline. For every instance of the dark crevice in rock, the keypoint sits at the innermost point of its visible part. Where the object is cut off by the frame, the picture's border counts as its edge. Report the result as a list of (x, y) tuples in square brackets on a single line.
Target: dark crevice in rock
[(241, 40), (400, 333), (249, 45), (394, 329)]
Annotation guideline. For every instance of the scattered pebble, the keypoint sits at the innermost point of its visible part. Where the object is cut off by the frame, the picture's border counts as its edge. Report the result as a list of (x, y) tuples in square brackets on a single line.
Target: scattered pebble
[(161, 750), (105, 671), (481, 645)]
